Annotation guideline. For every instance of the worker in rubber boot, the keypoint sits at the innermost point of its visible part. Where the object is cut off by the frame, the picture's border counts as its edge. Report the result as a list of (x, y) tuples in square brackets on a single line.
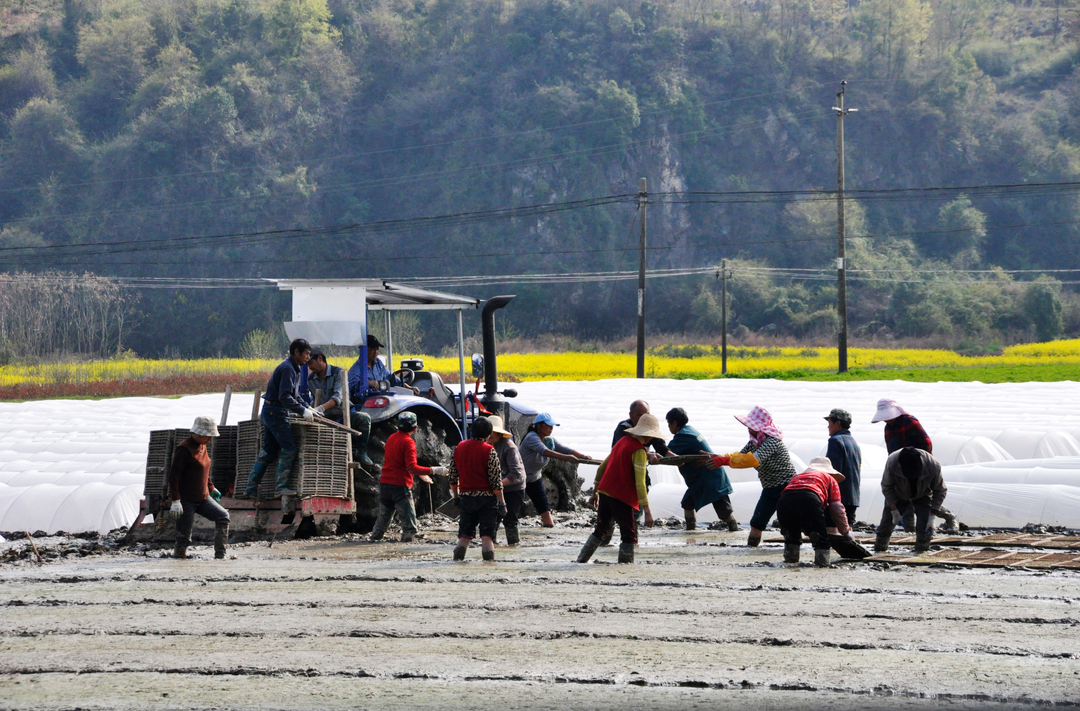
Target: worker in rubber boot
[(536, 448), (811, 504), (706, 484), (658, 446), (331, 380), (513, 476), (619, 490), (904, 430), (846, 457), (395, 484), (774, 467), (912, 478), (191, 490), (476, 477), (282, 397)]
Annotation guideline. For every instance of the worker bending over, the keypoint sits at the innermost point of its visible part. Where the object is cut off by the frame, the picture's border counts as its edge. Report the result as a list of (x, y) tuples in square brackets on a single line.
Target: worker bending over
[(192, 491), (811, 504), (331, 380), (476, 477), (912, 478)]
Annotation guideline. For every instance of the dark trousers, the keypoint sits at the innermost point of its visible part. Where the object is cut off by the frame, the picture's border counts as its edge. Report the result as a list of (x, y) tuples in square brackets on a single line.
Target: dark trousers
[(721, 506), (922, 518), (612, 511), (395, 498), (277, 443), (207, 509), (800, 511), (535, 490), (478, 510), (850, 510), (514, 501), (766, 506)]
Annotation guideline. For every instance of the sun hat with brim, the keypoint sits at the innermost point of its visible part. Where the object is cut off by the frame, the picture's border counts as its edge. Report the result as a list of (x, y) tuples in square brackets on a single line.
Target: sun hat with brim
[(647, 426), (545, 419), (759, 420), (205, 427), (887, 410), (823, 465), (497, 426)]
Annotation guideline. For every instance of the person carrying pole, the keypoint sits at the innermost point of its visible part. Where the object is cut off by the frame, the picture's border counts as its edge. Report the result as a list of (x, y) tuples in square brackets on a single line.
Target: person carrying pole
[(706, 483), (536, 448), (476, 477), (395, 484), (774, 467), (282, 397), (811, 504), (619, 490), (192, 491)]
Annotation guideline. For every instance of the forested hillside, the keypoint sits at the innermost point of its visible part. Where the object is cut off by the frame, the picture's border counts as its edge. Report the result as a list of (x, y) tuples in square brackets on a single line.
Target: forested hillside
[(181, 137)]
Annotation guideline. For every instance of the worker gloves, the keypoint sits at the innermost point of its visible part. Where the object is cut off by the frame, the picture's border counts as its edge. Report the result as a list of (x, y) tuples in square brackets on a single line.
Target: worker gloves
[(896, 517), (215, 494), (320, 410), (176, 510), (440, 471), (309, 414), (501, 508), (721, 460)]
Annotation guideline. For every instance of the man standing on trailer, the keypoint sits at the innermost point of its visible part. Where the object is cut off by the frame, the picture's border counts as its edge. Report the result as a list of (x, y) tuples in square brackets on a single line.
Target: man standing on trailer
[(282, 397), (330, 379)]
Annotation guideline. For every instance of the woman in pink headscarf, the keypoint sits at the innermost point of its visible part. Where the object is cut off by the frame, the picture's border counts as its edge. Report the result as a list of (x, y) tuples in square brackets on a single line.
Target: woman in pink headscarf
[(774, 467)]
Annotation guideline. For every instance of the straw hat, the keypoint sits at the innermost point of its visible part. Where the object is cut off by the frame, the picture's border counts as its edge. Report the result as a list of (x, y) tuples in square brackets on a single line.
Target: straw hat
[(647, 426), (823, 465), (497, 426), (205, 427), (887, 410)]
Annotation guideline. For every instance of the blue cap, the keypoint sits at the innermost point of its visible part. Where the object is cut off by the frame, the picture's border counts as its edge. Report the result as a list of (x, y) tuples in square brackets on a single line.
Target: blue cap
[(545, 419)]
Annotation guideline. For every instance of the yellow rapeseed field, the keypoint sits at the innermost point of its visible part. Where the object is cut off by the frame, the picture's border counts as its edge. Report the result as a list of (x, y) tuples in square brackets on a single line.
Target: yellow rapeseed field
[(744, 361)]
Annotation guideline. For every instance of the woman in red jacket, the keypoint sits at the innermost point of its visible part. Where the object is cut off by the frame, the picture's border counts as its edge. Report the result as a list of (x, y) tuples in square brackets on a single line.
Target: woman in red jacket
[(619, 489)]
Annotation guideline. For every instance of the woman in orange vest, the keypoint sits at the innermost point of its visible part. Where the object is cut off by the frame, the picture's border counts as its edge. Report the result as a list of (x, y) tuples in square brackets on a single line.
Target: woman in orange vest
[(619, 490)]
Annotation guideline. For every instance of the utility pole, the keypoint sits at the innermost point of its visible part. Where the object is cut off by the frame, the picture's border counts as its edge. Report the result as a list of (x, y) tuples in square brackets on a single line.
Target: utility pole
[(643, 199), (723, 316), (841, 264)]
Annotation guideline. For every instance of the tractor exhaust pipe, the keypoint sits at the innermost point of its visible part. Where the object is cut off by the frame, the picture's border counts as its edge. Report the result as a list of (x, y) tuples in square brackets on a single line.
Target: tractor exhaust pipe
[(487, 321)]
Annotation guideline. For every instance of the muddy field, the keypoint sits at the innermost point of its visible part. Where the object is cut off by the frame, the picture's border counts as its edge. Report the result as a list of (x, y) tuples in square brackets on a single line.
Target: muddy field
[(701, 621)]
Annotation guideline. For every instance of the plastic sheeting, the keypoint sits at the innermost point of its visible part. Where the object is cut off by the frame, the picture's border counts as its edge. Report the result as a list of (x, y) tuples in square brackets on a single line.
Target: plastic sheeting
[(61, 452)]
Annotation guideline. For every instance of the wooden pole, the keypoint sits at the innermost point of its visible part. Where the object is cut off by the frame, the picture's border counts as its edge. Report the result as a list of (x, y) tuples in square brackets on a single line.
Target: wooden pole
[(225, 405), (643, 198), (255, 405)]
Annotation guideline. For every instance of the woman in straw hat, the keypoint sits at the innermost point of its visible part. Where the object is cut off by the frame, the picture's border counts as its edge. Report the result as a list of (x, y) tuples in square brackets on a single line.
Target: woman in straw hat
[(774, 467), (619, 489), (513, 473), (192, 491), (811, 504)]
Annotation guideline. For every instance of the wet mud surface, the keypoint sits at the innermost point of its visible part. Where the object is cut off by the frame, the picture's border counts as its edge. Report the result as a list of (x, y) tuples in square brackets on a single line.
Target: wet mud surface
[(701, 621)]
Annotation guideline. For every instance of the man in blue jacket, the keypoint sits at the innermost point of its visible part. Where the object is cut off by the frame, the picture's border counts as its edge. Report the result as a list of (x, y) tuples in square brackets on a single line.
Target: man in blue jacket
[(282, 397), (846, 457)]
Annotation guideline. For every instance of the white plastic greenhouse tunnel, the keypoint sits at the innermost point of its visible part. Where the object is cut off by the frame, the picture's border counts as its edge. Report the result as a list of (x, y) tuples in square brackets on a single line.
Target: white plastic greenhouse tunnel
[(1010, 451)]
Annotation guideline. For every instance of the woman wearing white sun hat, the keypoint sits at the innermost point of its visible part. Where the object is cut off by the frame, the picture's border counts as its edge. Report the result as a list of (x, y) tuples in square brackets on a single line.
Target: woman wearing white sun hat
[(193, 492)]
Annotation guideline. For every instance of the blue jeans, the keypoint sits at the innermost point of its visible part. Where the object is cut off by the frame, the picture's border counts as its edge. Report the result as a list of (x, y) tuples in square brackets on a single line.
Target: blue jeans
[(207, 509), (766, 506), (393, 497), (277, 442)]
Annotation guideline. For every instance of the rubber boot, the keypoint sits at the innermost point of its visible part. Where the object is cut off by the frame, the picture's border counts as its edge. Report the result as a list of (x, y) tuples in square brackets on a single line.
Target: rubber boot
[(691, 519), (587, 550), (284, 468), (822, 557), (881, 544), (732, 524), (488, 554), (512, 536), (791, 552), (407, 536), (221, 537), (922, 544), (360, 442), (180, 551), (547, 520), (626, 552), (459, 552), (376, 535), (252, 488), (753, 541)]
